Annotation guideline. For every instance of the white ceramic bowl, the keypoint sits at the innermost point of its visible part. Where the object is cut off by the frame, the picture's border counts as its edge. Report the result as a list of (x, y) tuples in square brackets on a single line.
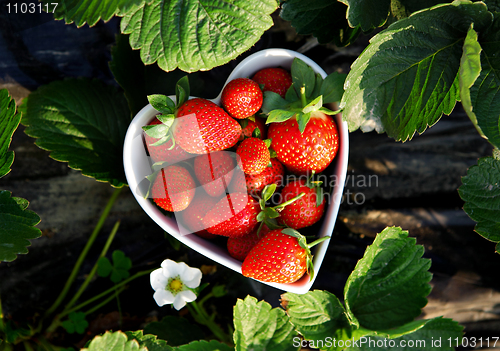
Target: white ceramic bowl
[(137, 167)]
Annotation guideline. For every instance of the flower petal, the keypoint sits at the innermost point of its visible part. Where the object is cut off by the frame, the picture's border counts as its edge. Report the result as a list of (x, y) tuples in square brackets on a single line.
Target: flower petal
[(192, 277), (187, 295), (158, 279), (170, 268), (163, 297)]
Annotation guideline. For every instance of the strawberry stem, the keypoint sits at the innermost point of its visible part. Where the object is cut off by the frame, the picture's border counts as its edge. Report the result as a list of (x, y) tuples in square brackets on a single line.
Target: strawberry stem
[(286, 203), (320, 240), (303, 98)]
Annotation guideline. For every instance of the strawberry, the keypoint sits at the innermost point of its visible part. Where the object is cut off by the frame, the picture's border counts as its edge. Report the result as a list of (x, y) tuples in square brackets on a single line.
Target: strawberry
[(234, 216), (239, 248), (248, 127), (254, 155), (214, 171), (304, 211), (281, 256), (270, 175), (201, 126), (274, 79), (164, 152), (241, 98), (173, 188), (311, 150), (192, 216)]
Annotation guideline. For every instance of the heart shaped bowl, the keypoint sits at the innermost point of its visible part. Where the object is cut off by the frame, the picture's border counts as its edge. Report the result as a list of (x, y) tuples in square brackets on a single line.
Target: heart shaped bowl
[(137, 166)]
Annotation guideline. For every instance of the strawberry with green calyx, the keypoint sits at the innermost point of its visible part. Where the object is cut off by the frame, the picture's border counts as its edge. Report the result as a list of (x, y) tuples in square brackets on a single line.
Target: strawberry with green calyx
[(305, 211), (241, 98), (272, 174), (253, 126), (167, 152), (172, 188), (281, 256), (275, 79), (254, 155)]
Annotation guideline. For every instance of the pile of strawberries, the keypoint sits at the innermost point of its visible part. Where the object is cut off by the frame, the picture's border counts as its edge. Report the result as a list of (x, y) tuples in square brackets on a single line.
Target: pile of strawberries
[(245, 170)]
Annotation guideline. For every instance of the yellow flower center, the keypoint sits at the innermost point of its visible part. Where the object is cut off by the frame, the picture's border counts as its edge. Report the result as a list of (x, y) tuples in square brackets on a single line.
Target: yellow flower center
[(175, 285)]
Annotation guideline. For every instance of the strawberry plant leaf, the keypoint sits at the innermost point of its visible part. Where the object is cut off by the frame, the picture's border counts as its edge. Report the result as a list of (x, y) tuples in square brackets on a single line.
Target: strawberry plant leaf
[(9, 121), (88, 12), (315, 17), (260, 327), (182, 90), (332, 87), (481, 91), (303, 76), (82, 122), (17, 226), (481, 192), (389, 285), (367, 14), (273, 101), (403, 82), (117, 341), (162, 103), (279, 116), (316, 315), (76, 323), (202, 345), (119, 270), (196, 35), (150, 342)]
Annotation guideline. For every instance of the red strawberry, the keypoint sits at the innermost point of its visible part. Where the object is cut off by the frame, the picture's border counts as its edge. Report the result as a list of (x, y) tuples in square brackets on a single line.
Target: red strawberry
[(248, 129), (239, 248), (192, 216), (201, 126), (214, 171), (241, 98), (234, 216), (270, 175), (312, 150), (276, 80), (164, 152), (254, 155), (281, 256), (303, 212), (173, 188)]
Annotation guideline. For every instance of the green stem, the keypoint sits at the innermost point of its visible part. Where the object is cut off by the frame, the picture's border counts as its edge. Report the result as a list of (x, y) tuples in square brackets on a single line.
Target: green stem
[(201, 315), (27, 346), (91, 275), (303, 98), (86, 249), (286, 203), (2, 323), (105, 302)]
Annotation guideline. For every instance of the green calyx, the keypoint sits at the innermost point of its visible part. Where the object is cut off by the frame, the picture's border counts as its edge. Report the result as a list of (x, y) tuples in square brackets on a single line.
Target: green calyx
[(302, 241), (167, 109), (307, 95)]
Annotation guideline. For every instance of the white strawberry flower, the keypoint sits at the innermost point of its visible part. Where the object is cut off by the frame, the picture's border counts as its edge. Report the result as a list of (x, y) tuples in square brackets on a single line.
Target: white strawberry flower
[(173, 283)]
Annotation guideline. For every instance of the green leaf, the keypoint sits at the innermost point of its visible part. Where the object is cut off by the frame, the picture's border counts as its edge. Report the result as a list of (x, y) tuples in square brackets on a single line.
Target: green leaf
[(438, 334), (9, 121), (162, 103), (407, 77), (367, 14), (150, 342), (202, 345), (325, 19), (89, 11), (332, 88), (116, 341), (119, 270), (16, 226), (273, 101), (480, 190), (482, 100), (314, 105), (104, 267), (279, 116), (14, 333), (196, 35), (182, 90), (302, 76), (82, 122), (317, 314), (259, 327), (76, 323), (175, 330), (390, 283)]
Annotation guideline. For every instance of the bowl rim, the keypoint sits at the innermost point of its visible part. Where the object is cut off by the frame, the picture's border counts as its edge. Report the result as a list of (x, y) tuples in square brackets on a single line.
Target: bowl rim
[(246, 68)]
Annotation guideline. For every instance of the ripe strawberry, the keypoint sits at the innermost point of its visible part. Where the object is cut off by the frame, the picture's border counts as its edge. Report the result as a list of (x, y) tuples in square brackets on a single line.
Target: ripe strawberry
[(191, 217), (173, 188), (254, 155), (312, 150), (239, 248), (164, 152), (276, 80), (248, 127), (241, 98), (270, 175), (305, 211), (281, 256), (204, 127), (214, 171), (234, 216)]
